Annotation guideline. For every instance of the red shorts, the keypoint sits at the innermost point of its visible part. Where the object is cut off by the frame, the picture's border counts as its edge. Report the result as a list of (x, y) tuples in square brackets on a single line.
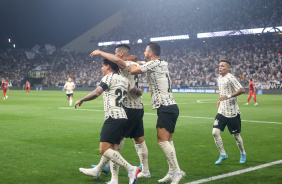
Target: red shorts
[(4, 90), (28, 88), (252, 93)]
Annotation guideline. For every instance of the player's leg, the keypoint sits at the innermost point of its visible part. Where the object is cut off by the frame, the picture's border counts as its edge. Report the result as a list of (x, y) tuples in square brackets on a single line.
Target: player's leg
[(255, 99), (249, 98), (70, 100), (240, 145), (142, 152), (219, 125), (4, 93)]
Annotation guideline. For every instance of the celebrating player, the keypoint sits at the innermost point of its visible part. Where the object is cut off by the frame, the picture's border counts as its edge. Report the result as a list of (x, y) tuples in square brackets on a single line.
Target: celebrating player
[(27, 87), (5, 87), (133, 108), (114, 89), (69, 87), (252, 92), (228, 111), (164, 102)]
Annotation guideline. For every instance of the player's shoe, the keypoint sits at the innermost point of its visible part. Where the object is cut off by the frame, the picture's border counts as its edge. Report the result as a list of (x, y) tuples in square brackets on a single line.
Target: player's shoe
[(112, 181), (144, 174), (132, 175), (177, 176), (6, 97), (256, 104), (105, 169), (246, 104), (167, 178), (221, 158), (140, 167), (243, 158), (91, 172)]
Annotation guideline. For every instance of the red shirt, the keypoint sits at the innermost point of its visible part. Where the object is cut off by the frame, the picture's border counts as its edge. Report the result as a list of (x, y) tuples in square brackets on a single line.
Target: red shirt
[(27, 85), (252, 86), (5, 84)]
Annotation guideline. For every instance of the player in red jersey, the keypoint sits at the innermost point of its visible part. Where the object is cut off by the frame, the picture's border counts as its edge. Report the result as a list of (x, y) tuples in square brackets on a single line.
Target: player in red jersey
[(252, 92), (27, 87), (5, 87)]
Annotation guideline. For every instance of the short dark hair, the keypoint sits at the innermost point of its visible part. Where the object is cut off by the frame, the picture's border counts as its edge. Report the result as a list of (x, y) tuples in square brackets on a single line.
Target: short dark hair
[(251, 79), (123, 46), (223, 60), (112, 65), (156, 48)]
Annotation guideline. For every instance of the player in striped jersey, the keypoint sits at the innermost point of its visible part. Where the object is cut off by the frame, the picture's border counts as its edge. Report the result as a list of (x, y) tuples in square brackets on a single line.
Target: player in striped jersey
[(5, 87), (69, 87), (228, 111), (133, 107), (114, 89), (164, 102), (252, 92)]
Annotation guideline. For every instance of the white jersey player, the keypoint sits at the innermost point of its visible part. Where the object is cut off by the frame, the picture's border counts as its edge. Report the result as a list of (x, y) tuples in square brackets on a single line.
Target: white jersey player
[(228, 111), (69, 87), (133, 107), (114, 89), (163, 101)]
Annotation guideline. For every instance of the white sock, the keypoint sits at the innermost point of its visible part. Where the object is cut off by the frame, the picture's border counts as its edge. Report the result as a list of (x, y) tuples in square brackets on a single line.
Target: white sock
[(116, 157), (239, 142), (218, 141), (142, 152), (102, 163), (114, 170), (170, 155), (70, 102)]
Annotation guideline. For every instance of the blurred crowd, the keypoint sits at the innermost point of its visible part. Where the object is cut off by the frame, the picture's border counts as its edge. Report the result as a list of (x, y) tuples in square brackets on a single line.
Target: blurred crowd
[(192, 63), (154, 18)]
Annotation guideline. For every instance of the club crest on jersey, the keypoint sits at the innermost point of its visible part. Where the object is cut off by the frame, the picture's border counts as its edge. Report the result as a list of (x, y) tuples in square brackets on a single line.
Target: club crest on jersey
[(215, 122)]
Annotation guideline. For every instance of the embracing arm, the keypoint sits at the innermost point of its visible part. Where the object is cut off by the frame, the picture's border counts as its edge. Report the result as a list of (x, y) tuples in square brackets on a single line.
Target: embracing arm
[(91, 96), (113, 58), (134, 70)]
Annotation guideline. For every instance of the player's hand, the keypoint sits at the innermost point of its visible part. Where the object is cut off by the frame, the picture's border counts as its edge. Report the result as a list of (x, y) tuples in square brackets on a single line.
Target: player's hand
[(218, 103), (223, 97), (95, 53), (78, 102)]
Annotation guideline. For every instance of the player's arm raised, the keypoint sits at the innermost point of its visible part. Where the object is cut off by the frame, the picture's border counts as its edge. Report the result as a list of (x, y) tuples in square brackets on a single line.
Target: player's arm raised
[(91, 96), (134, 69), (110, 57)]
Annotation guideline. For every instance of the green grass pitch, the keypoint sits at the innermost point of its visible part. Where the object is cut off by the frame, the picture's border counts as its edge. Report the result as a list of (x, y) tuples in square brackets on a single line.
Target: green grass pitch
[(43, 141)]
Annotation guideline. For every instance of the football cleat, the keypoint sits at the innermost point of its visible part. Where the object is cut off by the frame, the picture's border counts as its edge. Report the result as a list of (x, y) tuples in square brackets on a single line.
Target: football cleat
[(105, 169), (177, 176), (243, 158), (90, 172), (132, 175), (144, 174), (256, 104), (246, 104), (140, 167), (167, 178), (221, 158)]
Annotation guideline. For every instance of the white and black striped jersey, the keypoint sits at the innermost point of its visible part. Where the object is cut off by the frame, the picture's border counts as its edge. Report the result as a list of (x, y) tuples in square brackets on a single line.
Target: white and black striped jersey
[(69, 86), (227, 85), (132, 101), (160, 83), (115, 91)]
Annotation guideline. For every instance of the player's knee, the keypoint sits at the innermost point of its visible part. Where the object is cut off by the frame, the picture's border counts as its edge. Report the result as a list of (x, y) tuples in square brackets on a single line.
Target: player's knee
[(215, 132), (139, 140)]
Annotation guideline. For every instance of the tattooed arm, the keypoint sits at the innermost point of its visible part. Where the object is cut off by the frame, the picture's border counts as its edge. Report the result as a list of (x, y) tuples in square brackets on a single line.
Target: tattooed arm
[(91, 96)]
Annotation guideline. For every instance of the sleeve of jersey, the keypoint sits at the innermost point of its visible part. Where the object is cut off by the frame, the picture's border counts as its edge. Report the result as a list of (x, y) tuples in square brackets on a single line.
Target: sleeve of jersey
[(149, 66), (235, 83), (105, 82)]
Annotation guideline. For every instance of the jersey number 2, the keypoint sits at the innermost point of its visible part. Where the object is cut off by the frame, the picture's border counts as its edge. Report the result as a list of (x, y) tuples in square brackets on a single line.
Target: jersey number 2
[(120, 95)]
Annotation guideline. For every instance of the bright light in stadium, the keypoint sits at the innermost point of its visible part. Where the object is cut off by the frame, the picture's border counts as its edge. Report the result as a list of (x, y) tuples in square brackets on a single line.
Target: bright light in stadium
[(9, 40), (237, 32), (113, 43), (139, 41), (168, 38)]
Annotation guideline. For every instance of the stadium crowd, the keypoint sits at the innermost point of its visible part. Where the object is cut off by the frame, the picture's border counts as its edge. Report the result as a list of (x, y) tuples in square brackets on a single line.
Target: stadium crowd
[(192, 62)]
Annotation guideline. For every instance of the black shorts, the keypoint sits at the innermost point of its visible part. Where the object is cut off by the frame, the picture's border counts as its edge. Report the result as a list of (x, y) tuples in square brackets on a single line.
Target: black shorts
[(233, 124), (69, 95), (112, 130), (134, 127), (167, 117)]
